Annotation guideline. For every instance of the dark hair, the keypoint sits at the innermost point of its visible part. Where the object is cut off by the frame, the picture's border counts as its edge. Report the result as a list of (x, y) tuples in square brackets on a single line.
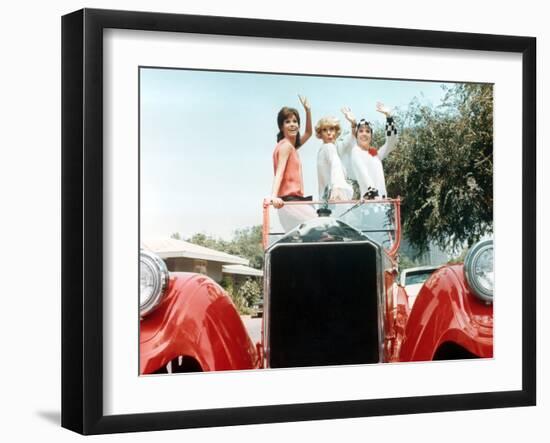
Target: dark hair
[(363, 122), (283, 114)]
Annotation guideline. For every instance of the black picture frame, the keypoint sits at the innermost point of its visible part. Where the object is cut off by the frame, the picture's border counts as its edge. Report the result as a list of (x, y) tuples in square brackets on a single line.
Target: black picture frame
[(82, 219)]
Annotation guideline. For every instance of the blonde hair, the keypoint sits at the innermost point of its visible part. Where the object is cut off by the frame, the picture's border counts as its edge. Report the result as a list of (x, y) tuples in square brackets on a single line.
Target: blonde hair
[(328, 121)]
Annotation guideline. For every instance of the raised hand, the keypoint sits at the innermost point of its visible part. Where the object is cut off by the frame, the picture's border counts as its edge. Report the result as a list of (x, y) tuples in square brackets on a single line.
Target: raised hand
[(305, 102), (381, 107), (348, 114)]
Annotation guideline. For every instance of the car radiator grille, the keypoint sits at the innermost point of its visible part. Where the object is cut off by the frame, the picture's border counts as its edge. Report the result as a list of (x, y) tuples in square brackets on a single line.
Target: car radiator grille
[(323, 307)]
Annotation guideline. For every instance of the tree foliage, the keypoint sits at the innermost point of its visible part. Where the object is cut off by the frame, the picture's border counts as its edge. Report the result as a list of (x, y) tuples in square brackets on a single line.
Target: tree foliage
[(238, 299), (251, 291), (245, 243), (443, 168), (245, 295)]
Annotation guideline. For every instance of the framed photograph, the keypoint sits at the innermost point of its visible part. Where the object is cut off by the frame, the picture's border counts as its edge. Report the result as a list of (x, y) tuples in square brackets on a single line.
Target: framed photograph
[(269, 221)]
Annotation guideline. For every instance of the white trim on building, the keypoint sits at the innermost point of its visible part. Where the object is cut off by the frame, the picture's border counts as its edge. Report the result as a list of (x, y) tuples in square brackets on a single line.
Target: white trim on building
[(242, 270), (172, 248)]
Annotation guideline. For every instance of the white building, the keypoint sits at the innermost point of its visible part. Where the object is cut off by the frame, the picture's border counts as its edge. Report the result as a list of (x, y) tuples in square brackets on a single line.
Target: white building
[(182, 256)]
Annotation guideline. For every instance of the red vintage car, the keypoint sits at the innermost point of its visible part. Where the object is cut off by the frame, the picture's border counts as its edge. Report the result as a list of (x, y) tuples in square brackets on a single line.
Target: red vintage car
[(189, 323), (331, 297), (452, 317)]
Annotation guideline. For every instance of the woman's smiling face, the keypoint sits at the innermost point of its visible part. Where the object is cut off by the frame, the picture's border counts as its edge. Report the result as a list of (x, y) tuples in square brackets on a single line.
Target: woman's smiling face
[(364, 136), (290, 126)]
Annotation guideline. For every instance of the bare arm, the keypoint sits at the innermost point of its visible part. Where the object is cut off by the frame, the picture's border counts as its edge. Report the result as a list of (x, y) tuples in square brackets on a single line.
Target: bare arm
[(284, 153), (309, 127)]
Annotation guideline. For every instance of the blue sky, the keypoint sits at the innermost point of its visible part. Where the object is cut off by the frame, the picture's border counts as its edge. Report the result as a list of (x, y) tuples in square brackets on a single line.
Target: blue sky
[(207, 139)]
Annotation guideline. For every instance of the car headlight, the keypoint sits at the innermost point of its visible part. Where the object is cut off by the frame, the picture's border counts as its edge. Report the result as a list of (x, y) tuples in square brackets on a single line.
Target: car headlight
[(153, 280), (478, 269)]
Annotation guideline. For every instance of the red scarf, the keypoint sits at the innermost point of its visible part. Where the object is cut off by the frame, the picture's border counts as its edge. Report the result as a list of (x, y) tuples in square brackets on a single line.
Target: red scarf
[(373, 151)]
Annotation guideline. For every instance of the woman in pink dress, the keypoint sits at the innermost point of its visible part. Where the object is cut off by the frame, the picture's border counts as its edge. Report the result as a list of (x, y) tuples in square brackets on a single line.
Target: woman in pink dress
[(288, 183)]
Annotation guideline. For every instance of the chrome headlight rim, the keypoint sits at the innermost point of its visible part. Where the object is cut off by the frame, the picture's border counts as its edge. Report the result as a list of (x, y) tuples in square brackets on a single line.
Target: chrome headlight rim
[(160, 275), (470, 264)]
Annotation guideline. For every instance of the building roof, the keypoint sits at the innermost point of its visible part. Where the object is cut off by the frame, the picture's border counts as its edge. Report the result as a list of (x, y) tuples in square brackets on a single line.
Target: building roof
[(172, 248), (242, 270)]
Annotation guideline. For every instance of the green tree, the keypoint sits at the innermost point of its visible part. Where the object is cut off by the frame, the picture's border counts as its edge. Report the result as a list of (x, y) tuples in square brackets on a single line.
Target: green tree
[(443, 168), (209, 242), (406, 261), (246, 243), (238, 299), (251, 291)]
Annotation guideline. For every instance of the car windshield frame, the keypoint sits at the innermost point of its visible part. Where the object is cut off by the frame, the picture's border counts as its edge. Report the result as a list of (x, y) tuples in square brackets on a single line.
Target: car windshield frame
[(356, 213)]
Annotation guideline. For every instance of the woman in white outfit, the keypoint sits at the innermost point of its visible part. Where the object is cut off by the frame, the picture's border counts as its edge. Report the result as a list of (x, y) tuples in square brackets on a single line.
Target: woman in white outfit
[(330, 172), (362, 161)]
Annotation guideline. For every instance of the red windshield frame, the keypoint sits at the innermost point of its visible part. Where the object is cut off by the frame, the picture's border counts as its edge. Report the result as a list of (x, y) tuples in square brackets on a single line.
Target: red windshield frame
[(395, 201)]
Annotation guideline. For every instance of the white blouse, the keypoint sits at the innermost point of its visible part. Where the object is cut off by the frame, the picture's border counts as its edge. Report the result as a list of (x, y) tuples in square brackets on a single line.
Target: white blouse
[(366, 168), (330, 170)]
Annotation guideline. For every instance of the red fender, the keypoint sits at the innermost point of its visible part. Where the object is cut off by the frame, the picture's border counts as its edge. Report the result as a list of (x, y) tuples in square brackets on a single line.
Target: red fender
[(446, 311), (196, 318)]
